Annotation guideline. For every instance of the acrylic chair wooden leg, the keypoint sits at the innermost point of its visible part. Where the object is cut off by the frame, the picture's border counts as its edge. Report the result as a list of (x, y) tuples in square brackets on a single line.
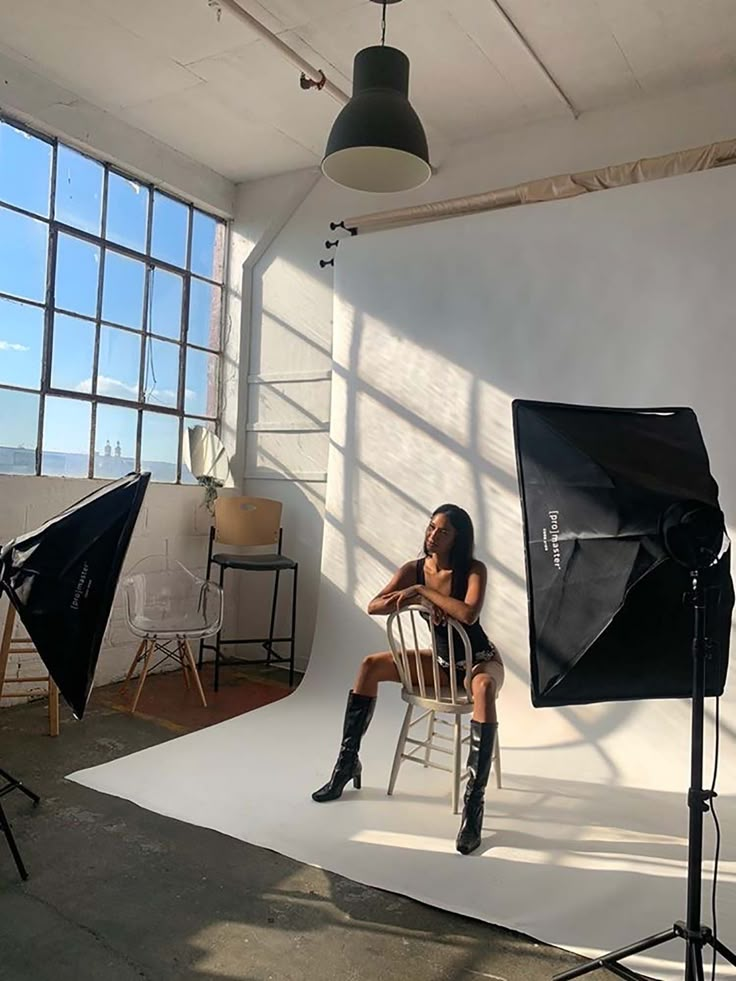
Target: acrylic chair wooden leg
[(181, 652), (400, 749), (133, 664), (150, 646), (430, 737), (457, 763), (53, 709), (195, 673)]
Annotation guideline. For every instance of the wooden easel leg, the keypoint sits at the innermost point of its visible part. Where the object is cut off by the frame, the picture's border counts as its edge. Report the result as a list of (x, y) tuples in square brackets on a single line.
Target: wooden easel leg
[(53, 709), (5, 643)]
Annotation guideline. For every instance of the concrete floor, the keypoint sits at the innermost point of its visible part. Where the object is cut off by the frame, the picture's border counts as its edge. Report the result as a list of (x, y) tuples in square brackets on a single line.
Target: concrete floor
[(117, 893)]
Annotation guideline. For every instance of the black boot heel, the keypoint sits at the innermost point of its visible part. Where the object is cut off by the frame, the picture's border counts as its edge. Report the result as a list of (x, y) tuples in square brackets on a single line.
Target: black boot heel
[(358, 715)]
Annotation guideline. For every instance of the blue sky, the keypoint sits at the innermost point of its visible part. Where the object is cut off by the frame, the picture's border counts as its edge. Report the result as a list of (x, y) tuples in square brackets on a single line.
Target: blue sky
[(25, 179)]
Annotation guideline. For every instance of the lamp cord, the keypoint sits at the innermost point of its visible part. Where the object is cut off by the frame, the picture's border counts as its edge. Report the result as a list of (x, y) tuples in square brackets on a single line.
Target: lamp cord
[(383, 23)]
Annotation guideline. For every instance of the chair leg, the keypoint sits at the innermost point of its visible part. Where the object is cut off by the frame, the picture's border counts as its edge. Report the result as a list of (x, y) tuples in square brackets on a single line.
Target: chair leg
[(430, 737), (53, 709), (217, 637), (497, 761), (187, 650), (400, 749), (150, 647), (200, 658), (133, 664), (269, 643), (457, 763), (183, 661), (293, 627)]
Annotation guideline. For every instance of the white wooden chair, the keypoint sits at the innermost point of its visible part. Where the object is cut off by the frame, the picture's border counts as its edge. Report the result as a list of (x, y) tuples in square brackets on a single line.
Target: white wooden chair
[(409, 635)]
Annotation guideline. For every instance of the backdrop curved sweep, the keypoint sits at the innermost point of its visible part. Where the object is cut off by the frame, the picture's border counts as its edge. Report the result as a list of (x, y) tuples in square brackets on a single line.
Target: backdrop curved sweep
[(622, 298)]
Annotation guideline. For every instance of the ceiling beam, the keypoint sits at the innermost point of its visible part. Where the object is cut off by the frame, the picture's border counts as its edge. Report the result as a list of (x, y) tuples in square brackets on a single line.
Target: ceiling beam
[(526, 45)]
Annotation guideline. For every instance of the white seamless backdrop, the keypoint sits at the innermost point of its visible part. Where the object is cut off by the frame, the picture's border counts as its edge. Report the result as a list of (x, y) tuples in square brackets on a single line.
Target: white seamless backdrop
[(622, 298)]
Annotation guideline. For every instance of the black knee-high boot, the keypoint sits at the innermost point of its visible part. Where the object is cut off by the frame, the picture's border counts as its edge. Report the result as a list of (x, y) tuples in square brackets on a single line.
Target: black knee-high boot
[(358, 714), (482, 737)]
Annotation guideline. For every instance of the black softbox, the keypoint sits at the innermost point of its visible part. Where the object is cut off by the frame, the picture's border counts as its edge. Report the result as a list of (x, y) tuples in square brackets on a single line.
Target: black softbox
[(607, 621), (61, 579)]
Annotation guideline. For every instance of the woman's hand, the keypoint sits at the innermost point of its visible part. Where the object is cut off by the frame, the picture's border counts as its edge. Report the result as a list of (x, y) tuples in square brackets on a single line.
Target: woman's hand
[(439, 617), (403, 597)]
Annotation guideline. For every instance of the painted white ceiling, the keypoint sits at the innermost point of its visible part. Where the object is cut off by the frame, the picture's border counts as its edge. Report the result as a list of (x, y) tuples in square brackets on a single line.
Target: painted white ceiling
[(216, 92)]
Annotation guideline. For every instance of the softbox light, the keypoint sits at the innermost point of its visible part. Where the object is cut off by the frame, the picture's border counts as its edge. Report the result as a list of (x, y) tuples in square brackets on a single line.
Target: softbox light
[(607, 620), (61, 579)]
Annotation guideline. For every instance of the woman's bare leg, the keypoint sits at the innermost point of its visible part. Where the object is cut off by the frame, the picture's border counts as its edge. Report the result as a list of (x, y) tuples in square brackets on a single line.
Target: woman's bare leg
[(486, 683), (381, 667)]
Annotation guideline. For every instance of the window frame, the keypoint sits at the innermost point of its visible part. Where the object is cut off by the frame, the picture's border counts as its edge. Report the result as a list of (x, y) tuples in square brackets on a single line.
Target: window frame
[(56, 228)]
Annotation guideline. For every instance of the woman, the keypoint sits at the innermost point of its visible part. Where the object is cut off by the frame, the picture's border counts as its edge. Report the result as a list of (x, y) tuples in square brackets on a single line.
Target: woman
[(452, 583)]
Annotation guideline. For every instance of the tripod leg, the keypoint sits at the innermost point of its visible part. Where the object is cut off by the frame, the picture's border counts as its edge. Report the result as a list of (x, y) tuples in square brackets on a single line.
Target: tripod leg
[(618, 955), (723, 950), (694, 969), (11, 844), (17, 785)]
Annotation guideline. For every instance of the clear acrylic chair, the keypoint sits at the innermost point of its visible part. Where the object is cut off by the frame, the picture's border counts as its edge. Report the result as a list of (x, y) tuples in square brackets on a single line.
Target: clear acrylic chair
[(409, 636), (167, 606)]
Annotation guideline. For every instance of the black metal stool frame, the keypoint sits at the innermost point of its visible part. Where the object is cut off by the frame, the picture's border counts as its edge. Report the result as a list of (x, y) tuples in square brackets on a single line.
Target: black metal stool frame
[(254, 563)]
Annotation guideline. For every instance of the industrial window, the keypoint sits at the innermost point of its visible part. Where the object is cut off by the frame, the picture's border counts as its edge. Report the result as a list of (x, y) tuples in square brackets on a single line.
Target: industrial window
[(111, 309)]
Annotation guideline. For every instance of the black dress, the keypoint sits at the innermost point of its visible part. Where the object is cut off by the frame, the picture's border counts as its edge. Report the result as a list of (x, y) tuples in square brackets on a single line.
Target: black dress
[(481, 646)]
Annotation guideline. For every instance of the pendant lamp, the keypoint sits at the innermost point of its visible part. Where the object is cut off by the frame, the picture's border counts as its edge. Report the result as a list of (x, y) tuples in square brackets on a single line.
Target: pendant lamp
[(377, 142)]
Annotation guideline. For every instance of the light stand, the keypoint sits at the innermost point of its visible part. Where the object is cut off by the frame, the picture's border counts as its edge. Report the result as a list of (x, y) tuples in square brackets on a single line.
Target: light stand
[(681, 520), (61, 580), (12, 783)]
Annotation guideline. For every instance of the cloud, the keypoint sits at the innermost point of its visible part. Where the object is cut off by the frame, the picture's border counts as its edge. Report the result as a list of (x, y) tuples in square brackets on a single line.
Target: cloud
[(7, 346), (110, 386)]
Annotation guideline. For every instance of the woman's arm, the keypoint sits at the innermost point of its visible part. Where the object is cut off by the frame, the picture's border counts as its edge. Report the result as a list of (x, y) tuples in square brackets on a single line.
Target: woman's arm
[(403, 580), (464, 611)]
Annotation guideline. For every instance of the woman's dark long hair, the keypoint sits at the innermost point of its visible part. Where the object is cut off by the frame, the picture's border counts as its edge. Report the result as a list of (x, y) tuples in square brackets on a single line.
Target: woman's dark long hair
[(463, 548)]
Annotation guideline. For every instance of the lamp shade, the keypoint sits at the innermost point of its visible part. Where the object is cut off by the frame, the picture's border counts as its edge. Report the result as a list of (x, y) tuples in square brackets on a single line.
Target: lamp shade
[(377, 142)]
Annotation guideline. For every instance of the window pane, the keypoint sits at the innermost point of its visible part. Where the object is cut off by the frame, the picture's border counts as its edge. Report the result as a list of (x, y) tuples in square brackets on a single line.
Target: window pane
[(77, 274), (200, 395), (127, 212), (116, 432), (122, 290), (159, 444), (170, 221), (204, 314), (23, 247), (18, 432), (119, 365), (208, 246), (25, 170), (187, 477), (161, 383), (21, 344), (66, 438), (73, 354), (166, 292), (78, 191)]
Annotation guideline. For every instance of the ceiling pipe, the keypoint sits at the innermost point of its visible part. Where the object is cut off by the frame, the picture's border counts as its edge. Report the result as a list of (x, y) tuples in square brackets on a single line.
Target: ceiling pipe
[(317, 76)]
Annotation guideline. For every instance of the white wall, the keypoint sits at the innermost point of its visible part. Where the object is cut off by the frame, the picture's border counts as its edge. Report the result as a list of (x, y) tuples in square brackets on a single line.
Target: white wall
[(288, 315)]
